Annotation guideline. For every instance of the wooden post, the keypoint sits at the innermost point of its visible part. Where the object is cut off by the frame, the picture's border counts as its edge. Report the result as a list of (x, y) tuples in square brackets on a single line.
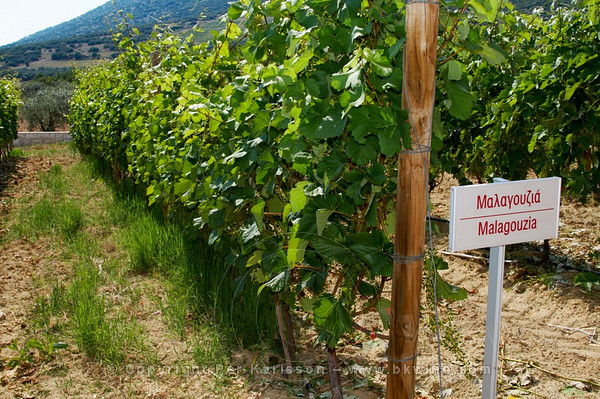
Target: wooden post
[(335, 379), (289, 330), (282, 335), (420, 54)]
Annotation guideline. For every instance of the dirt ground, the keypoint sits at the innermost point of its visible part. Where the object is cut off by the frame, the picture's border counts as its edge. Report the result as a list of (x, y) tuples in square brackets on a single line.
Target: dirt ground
[(549, 342)]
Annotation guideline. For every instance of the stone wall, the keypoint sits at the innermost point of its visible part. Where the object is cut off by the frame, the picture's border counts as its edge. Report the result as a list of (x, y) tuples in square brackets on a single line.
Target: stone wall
[(25, 139)]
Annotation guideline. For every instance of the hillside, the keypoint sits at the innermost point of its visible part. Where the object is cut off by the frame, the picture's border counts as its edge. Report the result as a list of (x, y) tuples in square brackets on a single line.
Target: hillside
[(87, 38), (145, 12)]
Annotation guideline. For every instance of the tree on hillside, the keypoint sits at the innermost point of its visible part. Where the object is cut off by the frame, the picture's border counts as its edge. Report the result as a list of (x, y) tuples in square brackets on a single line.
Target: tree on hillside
[(46, 106)]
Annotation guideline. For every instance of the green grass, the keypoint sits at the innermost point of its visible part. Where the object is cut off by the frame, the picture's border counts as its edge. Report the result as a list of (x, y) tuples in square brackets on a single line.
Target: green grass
[(97, 327), (53, 213), (82, 212), (76, 310), (54, 181), (103, 337), (200, 290), (16, 153), (151, 245), (47, 308), (47, 216)]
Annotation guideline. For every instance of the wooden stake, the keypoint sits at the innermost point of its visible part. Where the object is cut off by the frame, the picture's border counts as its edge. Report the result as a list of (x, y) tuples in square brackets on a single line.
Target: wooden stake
[(289, 330), (281, 327), (420, 55), (335, 379)]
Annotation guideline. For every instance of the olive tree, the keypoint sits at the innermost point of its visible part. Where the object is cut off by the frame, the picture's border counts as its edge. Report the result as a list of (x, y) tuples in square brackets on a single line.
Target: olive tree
[(46, 106)]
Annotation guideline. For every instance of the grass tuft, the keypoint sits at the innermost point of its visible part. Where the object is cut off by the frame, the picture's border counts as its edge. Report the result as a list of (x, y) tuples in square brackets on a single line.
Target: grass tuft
[(61, 217), (208, 348), (100, 335), (152, 245), (16, 153), (54, 181), (47, 308)]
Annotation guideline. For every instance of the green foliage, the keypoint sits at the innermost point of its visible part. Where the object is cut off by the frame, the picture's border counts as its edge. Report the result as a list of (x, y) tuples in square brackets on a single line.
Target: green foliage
[(46, 106), (278, 139), (9, 114), (537, 111), (587, 280), (61, 217), (25, 356)]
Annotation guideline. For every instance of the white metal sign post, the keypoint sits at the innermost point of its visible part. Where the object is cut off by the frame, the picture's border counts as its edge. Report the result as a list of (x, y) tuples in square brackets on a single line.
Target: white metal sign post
[(492, 322), (493, 316), (494, 215)]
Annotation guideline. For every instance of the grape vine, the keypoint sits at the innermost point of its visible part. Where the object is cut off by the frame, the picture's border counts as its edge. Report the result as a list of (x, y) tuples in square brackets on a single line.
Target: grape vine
[(9, 114), (277, 141), (540, 110)]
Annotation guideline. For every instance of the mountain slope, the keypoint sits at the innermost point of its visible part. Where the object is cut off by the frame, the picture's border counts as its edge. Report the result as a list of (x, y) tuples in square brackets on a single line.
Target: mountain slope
[(145, 12), (86, 39)]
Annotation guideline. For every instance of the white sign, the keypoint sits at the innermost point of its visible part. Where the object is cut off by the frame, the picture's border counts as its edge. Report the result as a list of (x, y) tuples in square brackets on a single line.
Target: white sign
[(490, 215)]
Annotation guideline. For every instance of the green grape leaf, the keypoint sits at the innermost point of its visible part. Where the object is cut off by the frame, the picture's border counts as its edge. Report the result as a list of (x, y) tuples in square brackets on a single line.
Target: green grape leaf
[(486, 9), (587, 280), (331, 125), (301, 62), (353, 97), (449, 292), (377, 173), (381, 64), (454, 70), (255, 258), (307, 304), (345, 80), (322, 215), (331, 319), (363, 154), (532, 143), (258, 211), (298, 197), (369, 248), (460, 100), (492, 55), (296, 250), (249, 232), (390, 140), (571, 90), (183, 186), (278, 283), (367, 289), (359, 123)]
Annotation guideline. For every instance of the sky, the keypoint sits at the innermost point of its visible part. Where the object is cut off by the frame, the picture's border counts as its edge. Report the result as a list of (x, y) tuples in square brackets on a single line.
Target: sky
[(20, 18)]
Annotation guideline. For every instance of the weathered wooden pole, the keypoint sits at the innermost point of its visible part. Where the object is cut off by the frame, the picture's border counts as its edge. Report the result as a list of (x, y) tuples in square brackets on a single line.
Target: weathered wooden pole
[(411, 202)]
